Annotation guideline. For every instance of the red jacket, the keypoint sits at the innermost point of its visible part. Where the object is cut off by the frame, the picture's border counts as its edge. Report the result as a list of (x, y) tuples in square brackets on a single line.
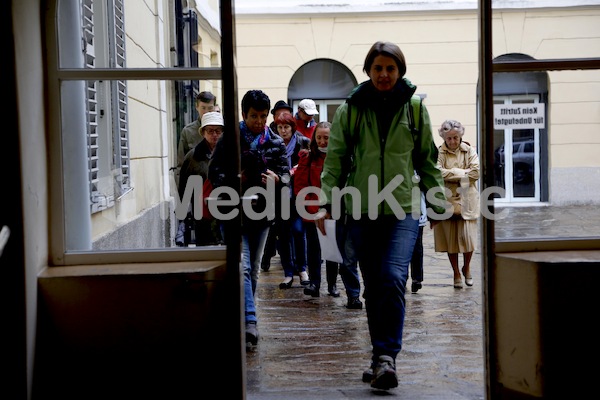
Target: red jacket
[(304, 128), (308, 173)]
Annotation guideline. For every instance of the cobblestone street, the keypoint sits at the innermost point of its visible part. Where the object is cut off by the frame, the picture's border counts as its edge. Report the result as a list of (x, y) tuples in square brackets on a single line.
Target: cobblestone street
[(315, 348)]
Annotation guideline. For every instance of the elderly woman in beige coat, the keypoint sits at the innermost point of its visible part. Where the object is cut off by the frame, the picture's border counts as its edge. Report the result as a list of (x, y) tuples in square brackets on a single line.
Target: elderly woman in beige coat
[(459, 164)]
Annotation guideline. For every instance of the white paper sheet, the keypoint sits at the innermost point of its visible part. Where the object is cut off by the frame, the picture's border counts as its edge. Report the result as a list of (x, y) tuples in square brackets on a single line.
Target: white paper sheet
[(329, 247)]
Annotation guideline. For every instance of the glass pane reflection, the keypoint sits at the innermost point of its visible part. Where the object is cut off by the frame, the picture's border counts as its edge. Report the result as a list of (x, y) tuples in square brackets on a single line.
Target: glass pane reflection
[(120, 176)]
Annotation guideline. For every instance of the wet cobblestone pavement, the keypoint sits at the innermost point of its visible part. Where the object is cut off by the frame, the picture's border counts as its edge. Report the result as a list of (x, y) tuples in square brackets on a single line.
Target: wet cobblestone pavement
[(315, 348)]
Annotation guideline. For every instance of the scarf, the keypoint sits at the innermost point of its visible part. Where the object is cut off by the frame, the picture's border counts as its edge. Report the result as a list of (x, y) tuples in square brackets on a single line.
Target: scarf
[(254, 142), (289, 149)]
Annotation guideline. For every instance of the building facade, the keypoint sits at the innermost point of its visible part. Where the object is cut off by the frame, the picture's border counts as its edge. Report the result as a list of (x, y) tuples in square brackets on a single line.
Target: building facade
[(293, 51)]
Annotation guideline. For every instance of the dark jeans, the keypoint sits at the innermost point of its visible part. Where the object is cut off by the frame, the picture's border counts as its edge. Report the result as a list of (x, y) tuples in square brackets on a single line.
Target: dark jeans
[(416, 262), (288, 239), (272, 245), (292, 246), (384, 247), (349, 268), (313, 253)]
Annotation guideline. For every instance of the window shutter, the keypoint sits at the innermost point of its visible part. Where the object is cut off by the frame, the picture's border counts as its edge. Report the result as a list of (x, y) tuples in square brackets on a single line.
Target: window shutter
[(98, 201), (119, 100), (107, 130)]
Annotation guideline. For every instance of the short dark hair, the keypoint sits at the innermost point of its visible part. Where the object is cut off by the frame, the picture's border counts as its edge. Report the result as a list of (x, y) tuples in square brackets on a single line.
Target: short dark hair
[(387, 49), (256, 99), (206, 97)]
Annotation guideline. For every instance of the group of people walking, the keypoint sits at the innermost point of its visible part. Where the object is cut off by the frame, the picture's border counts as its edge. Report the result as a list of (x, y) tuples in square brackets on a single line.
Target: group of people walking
[(379, 146), (295, 238)]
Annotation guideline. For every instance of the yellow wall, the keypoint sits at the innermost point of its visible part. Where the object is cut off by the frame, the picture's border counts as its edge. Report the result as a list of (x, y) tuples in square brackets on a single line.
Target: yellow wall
[(441, 49)]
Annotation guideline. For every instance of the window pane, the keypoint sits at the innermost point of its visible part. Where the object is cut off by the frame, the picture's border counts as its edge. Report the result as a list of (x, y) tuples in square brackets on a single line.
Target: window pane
[(558, 158), (578, 36), (120, 143), (119, 34)]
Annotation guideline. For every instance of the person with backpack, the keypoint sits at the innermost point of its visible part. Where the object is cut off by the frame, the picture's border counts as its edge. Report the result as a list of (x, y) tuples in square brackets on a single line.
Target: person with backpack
[(372, 155)]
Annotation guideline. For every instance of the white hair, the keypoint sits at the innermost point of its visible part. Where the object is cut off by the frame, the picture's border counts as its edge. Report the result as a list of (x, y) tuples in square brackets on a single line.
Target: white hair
[(451, 125)]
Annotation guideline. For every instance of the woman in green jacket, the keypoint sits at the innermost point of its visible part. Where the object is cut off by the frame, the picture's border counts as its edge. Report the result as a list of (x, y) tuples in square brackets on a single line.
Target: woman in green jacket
[(373, 154)]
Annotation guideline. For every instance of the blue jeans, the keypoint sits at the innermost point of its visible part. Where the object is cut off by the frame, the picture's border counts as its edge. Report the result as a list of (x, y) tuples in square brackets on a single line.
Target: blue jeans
[(253, 246), (384, 248)]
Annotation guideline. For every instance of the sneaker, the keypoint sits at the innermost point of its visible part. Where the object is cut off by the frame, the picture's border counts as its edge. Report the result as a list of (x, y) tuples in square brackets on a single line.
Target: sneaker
[(312, 290), (354, 303), (384, 374), (368, 374), (251, 333), (415, 286)]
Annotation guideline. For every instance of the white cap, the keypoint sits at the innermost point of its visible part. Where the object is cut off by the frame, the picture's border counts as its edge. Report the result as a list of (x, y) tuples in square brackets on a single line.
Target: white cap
[(308, 106), (212, 118)]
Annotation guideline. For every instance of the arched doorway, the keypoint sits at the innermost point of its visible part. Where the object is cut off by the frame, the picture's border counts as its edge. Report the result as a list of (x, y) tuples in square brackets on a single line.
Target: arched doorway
[(327, 82)]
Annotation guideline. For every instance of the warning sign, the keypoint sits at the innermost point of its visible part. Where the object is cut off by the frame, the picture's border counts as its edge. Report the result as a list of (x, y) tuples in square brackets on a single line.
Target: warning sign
[(520, 116)]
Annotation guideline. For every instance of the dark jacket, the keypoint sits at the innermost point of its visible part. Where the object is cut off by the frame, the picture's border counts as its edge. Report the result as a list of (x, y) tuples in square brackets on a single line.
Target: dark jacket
[(270, 155), (195, 162), (302, 142)]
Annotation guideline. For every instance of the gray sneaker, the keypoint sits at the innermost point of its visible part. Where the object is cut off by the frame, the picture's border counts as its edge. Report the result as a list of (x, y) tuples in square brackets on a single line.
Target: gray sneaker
[(368, 374), (251, 333), (384, 374)]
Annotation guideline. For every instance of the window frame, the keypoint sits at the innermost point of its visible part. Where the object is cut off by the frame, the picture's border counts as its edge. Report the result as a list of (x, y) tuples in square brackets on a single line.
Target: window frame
[(56, 76)]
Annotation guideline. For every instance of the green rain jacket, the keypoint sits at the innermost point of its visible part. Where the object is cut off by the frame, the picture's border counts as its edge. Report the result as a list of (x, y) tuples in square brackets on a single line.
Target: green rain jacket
[(361, 148)]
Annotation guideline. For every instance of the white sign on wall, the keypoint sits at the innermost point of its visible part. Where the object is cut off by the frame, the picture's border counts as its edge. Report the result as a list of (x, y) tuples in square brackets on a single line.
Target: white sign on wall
[(520, 116)]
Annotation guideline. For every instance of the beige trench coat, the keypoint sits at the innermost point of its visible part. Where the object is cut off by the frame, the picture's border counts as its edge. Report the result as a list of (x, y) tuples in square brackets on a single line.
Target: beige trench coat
[(460, 170)]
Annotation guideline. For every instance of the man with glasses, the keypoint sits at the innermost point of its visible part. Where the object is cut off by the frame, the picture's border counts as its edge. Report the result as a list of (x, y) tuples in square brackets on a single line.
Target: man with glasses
[(188, 139), (206, 231)]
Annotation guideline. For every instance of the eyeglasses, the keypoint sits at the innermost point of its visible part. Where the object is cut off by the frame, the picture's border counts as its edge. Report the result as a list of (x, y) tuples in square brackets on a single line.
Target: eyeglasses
[(216, 131)]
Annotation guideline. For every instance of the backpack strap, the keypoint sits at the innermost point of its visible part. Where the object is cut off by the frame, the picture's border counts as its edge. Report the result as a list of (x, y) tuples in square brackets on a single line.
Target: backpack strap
[(415, 107), (352, 139), (415, 117), (353, 129)]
